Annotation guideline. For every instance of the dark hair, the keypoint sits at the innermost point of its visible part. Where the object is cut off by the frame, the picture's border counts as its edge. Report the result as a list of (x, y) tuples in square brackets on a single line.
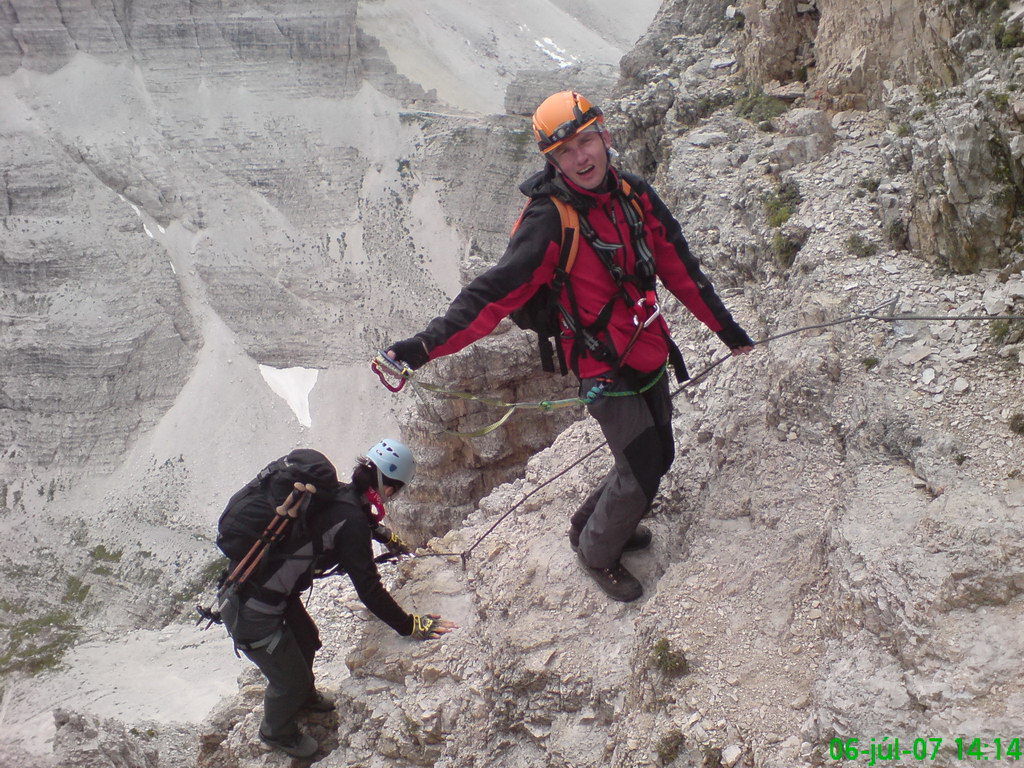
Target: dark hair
[(364, 475)]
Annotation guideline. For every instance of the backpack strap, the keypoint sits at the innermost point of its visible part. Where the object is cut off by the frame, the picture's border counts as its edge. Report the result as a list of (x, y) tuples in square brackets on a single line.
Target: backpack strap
[(570, 219), (266, 472), (644, 278), (645, 269)]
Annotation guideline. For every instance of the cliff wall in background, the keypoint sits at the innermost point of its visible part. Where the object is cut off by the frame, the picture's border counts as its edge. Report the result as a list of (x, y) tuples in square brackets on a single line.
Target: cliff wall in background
[(193, 194)]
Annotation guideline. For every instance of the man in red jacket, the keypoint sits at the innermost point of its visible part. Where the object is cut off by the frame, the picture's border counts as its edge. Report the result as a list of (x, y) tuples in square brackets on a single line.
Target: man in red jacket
[(612, 332)]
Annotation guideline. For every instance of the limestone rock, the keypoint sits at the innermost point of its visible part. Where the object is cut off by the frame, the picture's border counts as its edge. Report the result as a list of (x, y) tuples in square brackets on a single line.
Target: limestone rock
[(847, 50), (805, 135), (530, 87), (837, 545), (457, 471), (87, 742), (959, 218)]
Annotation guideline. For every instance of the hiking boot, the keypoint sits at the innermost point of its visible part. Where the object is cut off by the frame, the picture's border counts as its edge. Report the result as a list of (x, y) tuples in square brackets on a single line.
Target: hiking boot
[(317, 702), (641, 539), (297, 744), (618, 583)]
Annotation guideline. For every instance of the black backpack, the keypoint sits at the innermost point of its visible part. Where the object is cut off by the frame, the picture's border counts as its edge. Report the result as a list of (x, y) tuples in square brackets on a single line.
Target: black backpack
[(244, 531), (250, 510)]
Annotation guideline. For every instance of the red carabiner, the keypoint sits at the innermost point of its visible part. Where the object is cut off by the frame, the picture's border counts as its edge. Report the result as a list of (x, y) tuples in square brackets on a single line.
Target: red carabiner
[(395, 369)]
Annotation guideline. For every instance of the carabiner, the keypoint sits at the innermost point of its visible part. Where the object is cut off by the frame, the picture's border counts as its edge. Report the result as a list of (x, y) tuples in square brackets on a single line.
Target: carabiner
[(651, 318), (395, 368)]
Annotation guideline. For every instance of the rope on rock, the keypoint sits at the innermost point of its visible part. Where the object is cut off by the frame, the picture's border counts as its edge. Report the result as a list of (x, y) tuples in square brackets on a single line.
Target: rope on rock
[(871, 314)]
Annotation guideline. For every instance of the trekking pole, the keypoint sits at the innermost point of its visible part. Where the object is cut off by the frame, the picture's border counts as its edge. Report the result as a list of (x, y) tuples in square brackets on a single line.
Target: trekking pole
[(245, 568), (296, 502), (273, 532), (248, 564)]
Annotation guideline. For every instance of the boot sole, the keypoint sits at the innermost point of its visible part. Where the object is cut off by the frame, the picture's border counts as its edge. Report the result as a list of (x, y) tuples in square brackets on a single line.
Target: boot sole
[(576, 548)]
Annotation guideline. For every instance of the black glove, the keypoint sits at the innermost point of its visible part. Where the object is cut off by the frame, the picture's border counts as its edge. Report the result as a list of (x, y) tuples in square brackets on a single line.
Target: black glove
[(734, 337), (412, 352)]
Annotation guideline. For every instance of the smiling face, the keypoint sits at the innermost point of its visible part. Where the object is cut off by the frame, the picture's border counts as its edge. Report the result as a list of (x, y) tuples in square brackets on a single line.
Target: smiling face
[(583, 159)]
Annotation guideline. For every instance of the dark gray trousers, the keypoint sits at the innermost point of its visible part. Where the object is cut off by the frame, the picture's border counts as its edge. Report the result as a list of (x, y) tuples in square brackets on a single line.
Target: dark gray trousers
[(638, 429), (287, 665)]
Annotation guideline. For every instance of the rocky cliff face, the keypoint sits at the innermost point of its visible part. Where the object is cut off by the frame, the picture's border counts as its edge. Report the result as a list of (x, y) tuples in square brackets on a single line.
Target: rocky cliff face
[(189, 136), (811, 563), (191, 193), (305, 51), (837, 547)]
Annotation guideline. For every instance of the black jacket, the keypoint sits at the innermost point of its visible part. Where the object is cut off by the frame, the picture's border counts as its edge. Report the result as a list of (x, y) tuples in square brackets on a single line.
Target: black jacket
[(336, 533)]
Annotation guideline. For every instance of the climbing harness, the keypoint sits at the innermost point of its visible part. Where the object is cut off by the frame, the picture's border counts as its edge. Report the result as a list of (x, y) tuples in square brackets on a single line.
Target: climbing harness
[(884, 312), (636, 288), (542, 311)]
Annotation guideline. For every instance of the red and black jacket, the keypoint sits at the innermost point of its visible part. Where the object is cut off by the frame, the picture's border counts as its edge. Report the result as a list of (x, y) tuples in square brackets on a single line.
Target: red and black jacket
[(532, 255)]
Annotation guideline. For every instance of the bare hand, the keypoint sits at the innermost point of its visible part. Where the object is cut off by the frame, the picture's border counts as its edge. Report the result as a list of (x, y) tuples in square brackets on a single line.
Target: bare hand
[(743, 350), (444, 626)]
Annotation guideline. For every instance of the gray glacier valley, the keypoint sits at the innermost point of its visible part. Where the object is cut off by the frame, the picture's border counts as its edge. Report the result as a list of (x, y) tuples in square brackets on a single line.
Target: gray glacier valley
[(214, 213)]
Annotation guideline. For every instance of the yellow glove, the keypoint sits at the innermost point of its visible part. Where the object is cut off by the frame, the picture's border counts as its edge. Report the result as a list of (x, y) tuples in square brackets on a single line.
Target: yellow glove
[(391, 540), (430, 627)]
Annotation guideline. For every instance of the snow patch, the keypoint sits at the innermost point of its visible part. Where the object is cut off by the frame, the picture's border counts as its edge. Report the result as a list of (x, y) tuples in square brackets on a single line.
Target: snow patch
[(294, 386), (556, 52)]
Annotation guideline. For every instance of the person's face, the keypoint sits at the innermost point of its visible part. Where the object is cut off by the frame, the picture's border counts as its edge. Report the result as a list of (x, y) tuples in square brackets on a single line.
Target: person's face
[(583, 159)]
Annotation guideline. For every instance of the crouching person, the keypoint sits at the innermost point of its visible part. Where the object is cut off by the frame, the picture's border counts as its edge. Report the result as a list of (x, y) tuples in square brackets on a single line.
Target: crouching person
[(325, 526)]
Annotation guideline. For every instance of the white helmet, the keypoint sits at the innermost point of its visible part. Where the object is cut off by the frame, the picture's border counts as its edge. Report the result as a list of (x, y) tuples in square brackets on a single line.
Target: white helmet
[(393, 459)]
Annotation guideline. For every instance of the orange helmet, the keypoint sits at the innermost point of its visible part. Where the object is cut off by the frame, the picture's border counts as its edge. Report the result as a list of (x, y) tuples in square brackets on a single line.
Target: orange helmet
[(561, 116)]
